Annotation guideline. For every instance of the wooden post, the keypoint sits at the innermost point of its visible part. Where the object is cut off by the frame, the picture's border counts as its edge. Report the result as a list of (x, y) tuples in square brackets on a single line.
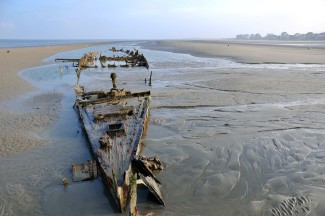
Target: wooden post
[(61, 72), (78, 71), (150, 78), (114, 82), (133, 211)]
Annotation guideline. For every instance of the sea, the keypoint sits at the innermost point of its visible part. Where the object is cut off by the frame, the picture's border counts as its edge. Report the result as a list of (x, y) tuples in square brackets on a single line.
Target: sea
[(12, 43), (234, 138)]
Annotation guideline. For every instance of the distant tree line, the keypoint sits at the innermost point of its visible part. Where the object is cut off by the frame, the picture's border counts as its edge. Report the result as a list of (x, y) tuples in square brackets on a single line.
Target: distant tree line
[(283, 36)]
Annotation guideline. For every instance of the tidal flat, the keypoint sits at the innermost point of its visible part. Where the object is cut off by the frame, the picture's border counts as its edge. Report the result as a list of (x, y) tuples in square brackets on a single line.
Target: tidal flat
[(235, 138)]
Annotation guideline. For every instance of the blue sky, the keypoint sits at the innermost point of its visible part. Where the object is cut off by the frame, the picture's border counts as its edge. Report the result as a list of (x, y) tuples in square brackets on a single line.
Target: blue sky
[(157, 19)]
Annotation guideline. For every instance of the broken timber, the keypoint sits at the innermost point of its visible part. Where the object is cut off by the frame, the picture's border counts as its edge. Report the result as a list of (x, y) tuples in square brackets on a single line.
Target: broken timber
[(84, 172), (131, 59), (84, 102), (67, 60)]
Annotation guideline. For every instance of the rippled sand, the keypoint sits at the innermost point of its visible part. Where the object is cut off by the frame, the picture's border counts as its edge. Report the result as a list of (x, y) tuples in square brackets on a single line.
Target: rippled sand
[(249, 141), (241, 140), (236, 139)]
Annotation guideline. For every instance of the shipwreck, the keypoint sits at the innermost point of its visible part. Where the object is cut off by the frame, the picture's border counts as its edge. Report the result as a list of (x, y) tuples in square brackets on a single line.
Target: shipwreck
[(115, 121)]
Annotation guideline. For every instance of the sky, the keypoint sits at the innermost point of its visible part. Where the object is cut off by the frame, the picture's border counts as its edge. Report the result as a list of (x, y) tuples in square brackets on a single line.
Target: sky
[(157, 19)]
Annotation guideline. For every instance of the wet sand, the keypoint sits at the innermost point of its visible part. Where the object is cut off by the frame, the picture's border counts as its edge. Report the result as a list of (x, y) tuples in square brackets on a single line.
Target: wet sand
[(242, 140), (247, 52), (236, 139), (18, 128)]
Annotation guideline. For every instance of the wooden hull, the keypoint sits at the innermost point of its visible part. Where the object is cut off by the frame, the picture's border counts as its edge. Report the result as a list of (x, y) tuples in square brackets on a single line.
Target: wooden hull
[(114, 126)]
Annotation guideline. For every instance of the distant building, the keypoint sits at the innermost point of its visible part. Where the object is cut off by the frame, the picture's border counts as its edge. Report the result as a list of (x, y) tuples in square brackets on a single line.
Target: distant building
[(310, 36), (283, 36), (298, 36), (258, 37), (320, 36), (271, 37), (243, 36)]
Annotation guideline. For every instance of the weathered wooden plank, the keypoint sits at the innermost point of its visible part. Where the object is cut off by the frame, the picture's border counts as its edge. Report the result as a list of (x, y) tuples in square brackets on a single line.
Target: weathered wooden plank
[(153, 187), (67, 59), (113, 110), (133, 211), (85, 171), (110, 98)]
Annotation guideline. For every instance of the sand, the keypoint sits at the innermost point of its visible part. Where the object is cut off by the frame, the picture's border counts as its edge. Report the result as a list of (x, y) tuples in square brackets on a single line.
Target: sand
[(246, 52), (19, 129), (235, 139), (246, 139)]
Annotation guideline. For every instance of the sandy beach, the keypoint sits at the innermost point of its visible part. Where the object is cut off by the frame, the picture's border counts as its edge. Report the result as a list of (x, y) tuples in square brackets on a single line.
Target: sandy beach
[(18, 129), (235, 138), (247, 52)]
